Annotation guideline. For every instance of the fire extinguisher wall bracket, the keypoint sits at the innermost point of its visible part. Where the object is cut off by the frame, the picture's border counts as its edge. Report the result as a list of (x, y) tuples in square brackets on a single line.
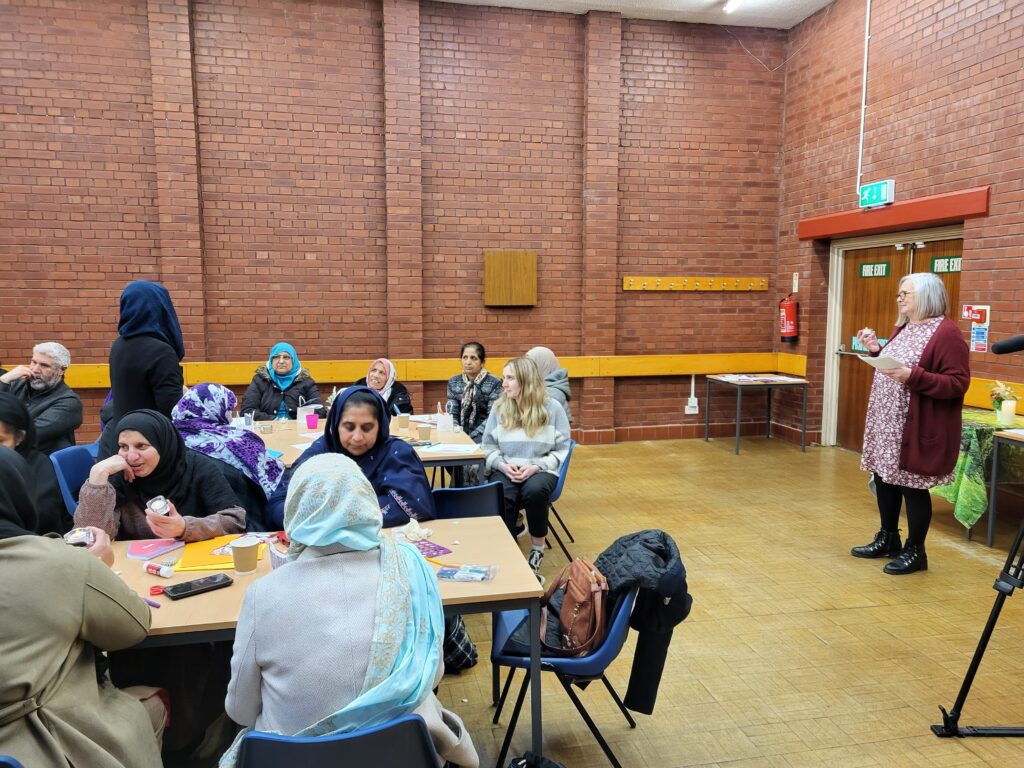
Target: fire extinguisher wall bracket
[(788, 310)]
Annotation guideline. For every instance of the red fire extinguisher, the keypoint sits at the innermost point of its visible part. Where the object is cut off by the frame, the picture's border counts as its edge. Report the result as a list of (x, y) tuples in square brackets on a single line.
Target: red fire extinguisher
[(787, 319)]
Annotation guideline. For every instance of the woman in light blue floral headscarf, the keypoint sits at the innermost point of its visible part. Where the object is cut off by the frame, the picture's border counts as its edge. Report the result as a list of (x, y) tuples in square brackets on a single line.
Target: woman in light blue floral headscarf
[(203, 417), (347, 635)]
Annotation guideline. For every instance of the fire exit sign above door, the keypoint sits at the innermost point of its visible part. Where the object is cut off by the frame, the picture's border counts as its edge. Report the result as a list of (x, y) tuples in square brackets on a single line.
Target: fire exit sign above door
[(877, 193)]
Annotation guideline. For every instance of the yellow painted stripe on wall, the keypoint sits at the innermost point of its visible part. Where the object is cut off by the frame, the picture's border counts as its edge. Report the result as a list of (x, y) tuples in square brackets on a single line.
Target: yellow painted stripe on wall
[(96, 375)]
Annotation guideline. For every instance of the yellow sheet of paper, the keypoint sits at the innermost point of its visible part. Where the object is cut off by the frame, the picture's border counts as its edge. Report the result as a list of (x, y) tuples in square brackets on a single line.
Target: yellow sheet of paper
[(198, 555)]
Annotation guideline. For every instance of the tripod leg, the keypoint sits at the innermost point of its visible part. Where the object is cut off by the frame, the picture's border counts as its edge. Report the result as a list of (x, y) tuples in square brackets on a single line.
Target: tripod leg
[(1009, 579)]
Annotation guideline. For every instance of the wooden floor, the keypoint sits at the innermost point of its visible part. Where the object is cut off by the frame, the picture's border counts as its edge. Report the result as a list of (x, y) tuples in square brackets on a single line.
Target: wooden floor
[(795, 654)]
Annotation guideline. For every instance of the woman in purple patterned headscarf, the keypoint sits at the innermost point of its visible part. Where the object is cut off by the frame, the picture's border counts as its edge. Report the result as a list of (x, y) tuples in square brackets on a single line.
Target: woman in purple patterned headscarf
[(203, 418)]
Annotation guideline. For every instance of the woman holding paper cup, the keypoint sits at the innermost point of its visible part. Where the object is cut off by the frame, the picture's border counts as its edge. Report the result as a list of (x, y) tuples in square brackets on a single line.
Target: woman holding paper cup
[(280, 387), (381, 377), (152, 460), (369, 653), (912, 432), (358, 427)]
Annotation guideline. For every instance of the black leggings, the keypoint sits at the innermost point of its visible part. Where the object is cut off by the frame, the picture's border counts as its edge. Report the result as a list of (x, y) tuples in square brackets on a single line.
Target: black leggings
[(919, 509)]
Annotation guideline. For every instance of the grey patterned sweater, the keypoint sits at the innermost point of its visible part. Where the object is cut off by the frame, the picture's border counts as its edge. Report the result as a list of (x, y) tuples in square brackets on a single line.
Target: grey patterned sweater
[(547, 448)]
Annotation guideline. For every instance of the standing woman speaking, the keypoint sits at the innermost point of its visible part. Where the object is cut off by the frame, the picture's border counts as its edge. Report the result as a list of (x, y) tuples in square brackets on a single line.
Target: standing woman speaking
[(912, 434)]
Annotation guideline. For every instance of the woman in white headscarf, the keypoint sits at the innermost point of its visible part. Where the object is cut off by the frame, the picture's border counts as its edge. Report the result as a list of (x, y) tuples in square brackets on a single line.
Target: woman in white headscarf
[(382, 378), (556, 378), (369, 653)]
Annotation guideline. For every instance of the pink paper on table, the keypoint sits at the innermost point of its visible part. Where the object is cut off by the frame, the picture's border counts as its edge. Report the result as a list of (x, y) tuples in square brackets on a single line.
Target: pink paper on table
[(147, 549)]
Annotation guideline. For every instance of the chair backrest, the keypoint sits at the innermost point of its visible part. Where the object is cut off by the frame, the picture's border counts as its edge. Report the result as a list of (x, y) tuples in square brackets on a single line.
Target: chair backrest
[(72, 466), (9, 762), (562, 472), (404, 741), (475, 501), (597, 662)]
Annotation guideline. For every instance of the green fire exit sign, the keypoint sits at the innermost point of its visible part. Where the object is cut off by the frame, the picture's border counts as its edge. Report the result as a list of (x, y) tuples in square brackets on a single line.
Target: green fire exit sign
[(877, 193)]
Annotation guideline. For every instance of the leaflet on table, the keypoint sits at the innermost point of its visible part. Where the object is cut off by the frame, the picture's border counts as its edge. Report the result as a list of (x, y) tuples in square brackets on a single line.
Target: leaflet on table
[(760, 378), (1014, 432), (301, 446), (882, 363), (424, 418), (456, 448)]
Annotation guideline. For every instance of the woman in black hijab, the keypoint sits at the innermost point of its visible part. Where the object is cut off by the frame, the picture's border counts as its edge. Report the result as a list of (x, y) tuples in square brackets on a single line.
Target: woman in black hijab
[(18, 432), (17, 508), (145, 358), (152, 460)]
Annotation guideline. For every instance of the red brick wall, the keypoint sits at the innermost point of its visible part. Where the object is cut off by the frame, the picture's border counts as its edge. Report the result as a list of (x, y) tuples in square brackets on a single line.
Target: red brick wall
[(945, 113), (291, 148), (698, 183), (502, 99), (77, 217), (330, 172)]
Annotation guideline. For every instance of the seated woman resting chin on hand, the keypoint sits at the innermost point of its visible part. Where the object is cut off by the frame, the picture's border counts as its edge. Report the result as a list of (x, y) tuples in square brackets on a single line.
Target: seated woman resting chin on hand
[(152, 460)]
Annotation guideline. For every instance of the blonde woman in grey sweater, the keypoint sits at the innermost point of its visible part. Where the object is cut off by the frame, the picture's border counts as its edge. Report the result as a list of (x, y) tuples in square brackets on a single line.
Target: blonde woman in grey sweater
[(526, 440)]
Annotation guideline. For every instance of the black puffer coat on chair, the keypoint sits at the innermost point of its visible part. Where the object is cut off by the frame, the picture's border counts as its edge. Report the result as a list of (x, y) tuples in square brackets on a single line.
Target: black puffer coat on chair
[(650, 560)]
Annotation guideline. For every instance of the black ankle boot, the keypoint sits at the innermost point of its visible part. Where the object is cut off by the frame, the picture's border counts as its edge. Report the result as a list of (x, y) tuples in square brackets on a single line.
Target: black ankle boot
[(911, 559), (886, 544)]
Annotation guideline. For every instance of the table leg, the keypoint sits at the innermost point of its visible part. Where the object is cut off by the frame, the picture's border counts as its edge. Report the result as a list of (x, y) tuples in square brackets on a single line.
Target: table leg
[(993, 491), (707, 409), (803, 423), (739, 401), (768, 417), (535, 715)]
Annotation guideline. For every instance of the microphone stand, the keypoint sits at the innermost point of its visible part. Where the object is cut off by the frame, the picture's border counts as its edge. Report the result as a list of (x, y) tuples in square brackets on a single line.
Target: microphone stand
[(1009, 579)]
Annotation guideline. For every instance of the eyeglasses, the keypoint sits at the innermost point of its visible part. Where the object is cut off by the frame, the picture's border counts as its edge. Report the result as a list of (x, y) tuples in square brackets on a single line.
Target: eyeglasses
[(903, 294)]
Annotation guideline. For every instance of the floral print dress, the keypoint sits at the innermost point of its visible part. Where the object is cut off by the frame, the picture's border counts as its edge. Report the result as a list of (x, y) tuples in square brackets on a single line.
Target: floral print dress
[(887, 412)]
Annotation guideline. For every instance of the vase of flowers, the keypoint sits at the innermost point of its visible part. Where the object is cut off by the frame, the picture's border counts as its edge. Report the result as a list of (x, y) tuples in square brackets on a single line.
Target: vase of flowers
[(1005, 402)]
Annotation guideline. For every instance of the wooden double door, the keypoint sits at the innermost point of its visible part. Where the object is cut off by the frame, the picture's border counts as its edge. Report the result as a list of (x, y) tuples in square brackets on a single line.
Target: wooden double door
[(871, 279)]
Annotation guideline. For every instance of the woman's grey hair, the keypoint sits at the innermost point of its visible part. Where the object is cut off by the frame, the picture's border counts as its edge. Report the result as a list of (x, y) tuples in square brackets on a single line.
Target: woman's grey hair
[(930, 294), (52, 349)]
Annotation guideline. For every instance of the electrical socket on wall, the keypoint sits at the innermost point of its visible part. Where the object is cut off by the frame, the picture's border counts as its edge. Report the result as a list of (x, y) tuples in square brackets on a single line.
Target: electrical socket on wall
[(691, 408)]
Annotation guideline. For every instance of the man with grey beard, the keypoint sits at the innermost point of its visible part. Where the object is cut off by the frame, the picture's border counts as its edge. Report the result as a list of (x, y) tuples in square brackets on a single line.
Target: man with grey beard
[(55, 408)]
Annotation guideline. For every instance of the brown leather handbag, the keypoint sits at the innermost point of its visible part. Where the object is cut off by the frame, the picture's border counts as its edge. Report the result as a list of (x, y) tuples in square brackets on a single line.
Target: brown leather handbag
[(582, 617)]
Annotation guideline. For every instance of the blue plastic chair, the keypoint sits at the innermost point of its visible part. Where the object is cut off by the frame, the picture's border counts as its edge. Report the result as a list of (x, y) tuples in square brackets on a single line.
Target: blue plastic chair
[(9, 762), (72, 466), (555, 494), (569, 671), (474, 501), (403, 741)]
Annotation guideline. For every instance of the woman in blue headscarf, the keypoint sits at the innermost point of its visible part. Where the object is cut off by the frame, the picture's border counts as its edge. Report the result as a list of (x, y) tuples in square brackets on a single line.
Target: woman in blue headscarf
[(280, 387), (370, 653), (145, 358), (358, 427)]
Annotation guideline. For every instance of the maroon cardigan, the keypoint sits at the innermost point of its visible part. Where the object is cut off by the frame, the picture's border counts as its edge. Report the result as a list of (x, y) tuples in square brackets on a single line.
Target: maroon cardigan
[(931, 434)]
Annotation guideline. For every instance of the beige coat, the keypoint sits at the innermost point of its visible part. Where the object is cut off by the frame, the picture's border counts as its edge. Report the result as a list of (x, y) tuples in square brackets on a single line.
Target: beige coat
[(56, 603)]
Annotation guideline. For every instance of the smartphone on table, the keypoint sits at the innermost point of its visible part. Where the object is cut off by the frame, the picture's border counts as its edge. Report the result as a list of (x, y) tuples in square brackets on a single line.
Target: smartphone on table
[(198, 586)]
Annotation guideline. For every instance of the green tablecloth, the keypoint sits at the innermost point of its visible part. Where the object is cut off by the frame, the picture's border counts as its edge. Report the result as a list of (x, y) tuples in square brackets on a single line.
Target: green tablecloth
[(967, 493)]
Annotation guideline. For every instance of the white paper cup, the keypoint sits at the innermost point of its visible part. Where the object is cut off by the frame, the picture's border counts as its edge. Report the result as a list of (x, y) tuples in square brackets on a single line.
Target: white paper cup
[(245, 553)]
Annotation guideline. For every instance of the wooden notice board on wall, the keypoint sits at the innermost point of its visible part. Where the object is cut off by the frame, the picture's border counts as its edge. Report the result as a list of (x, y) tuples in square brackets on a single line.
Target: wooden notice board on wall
[(510, 278)]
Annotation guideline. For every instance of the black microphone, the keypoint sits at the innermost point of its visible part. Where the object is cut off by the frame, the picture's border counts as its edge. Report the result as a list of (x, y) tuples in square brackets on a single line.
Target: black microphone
[(1016, 344)]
